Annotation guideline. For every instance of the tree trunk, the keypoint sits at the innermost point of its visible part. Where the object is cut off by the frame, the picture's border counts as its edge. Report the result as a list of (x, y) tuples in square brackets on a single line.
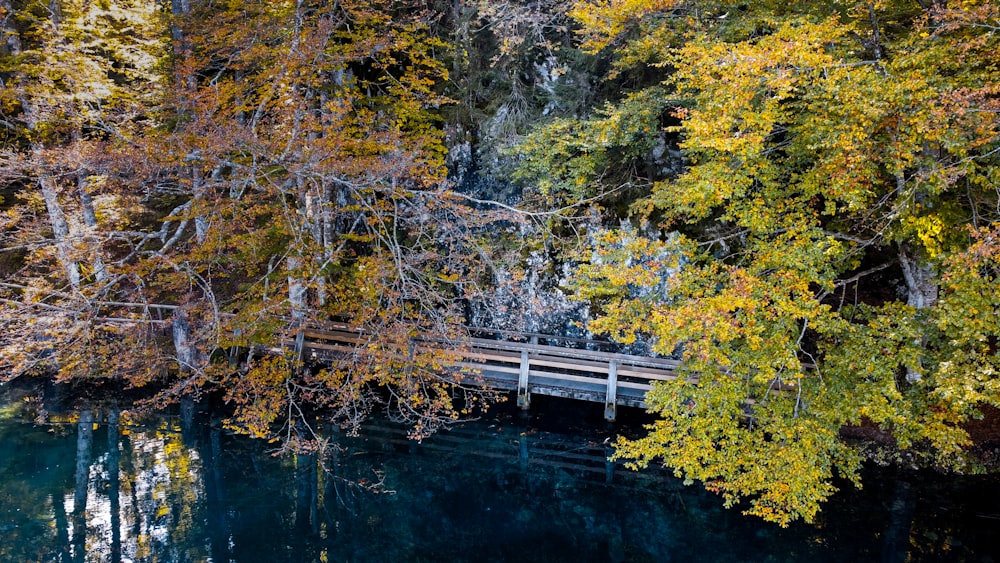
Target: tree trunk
[(178, 8), (306, 493), (55, 12), (188, 428), (61, 523), (296, 290), (60, 227), (11, 44), (47, 184), (895, 538), (921, 290), (188, 356), (297, 301), (90, 220), (315, 207), (187, 83), (217, 518), (921, 283), (198, 191)]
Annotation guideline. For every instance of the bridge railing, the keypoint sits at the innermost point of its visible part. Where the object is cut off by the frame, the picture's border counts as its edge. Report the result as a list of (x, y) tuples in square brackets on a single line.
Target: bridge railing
[(607, 377)]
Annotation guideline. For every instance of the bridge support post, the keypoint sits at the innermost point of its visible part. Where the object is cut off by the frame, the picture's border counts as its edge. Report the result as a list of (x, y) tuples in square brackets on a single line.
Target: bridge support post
[(523, 397), (611, 396)]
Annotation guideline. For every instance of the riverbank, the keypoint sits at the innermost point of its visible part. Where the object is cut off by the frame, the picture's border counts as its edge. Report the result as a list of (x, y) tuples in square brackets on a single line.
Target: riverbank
[(879, 446)]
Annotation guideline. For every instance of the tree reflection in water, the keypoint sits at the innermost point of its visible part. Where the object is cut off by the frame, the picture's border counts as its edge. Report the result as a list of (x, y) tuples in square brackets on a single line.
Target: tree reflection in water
[(93, 486)]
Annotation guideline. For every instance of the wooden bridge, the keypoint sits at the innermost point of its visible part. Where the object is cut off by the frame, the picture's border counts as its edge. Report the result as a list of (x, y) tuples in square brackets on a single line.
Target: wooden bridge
[(528, 367), (564, 367)]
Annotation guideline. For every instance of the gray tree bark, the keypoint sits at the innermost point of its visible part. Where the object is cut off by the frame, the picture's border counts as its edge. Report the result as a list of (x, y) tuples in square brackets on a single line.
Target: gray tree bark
[(921, 290), (114, 482), (60, 227), (90, 221), (921, 282), (188, 356)]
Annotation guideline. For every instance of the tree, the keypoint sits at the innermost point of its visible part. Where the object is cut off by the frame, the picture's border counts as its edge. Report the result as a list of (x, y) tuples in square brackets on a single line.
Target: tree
[(830, 150), (306, 151), (286, 173), (76, 79)]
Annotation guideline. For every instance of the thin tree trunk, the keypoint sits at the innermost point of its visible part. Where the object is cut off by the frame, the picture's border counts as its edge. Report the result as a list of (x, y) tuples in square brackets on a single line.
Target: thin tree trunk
[(60, 227), (921, 291), (187, 82), (217, 518), (296, 290), (178, 8), (188, 429), (90, 220), (328, 233), (297, 301), (315, 211), (11, 44), (61, 524), (48, 186), (198, 191), (188, 356), (55, 12)]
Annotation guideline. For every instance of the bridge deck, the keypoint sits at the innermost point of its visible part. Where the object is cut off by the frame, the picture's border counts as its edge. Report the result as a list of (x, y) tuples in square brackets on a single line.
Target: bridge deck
[(516, 364), (528, 368)]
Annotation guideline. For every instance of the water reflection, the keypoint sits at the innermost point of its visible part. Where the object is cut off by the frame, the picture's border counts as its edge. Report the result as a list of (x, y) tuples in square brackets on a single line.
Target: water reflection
[(88, 486)]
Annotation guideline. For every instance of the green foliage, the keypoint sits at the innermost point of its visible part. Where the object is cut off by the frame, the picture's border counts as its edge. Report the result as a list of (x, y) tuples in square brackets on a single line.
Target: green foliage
[(570, 159), (822, 141)]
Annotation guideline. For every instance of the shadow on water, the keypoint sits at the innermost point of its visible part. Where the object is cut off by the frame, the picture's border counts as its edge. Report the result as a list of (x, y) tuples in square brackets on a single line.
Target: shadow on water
[(93, 485)]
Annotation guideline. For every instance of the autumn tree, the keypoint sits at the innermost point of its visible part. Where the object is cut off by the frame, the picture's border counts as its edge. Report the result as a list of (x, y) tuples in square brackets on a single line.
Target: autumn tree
[(829, 260), (184, 193), (77, 78), (306, 152)]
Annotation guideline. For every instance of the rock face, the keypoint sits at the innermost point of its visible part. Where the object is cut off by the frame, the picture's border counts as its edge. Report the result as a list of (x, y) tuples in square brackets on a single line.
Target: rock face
[(527, 292), (530, 301), (515, 73)]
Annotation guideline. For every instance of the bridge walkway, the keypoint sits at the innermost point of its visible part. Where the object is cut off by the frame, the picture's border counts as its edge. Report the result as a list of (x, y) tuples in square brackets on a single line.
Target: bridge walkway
[(526, 367)]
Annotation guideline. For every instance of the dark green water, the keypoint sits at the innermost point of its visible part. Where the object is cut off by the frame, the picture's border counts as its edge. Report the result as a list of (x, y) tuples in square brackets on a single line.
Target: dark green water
[(83, 487)]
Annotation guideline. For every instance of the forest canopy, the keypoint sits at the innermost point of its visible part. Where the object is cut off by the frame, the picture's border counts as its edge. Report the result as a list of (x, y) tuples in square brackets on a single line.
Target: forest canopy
[(836, 219), (798, 200)]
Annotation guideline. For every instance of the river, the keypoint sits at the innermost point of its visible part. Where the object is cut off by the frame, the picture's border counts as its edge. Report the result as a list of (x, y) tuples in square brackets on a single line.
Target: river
[(95, 485)]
